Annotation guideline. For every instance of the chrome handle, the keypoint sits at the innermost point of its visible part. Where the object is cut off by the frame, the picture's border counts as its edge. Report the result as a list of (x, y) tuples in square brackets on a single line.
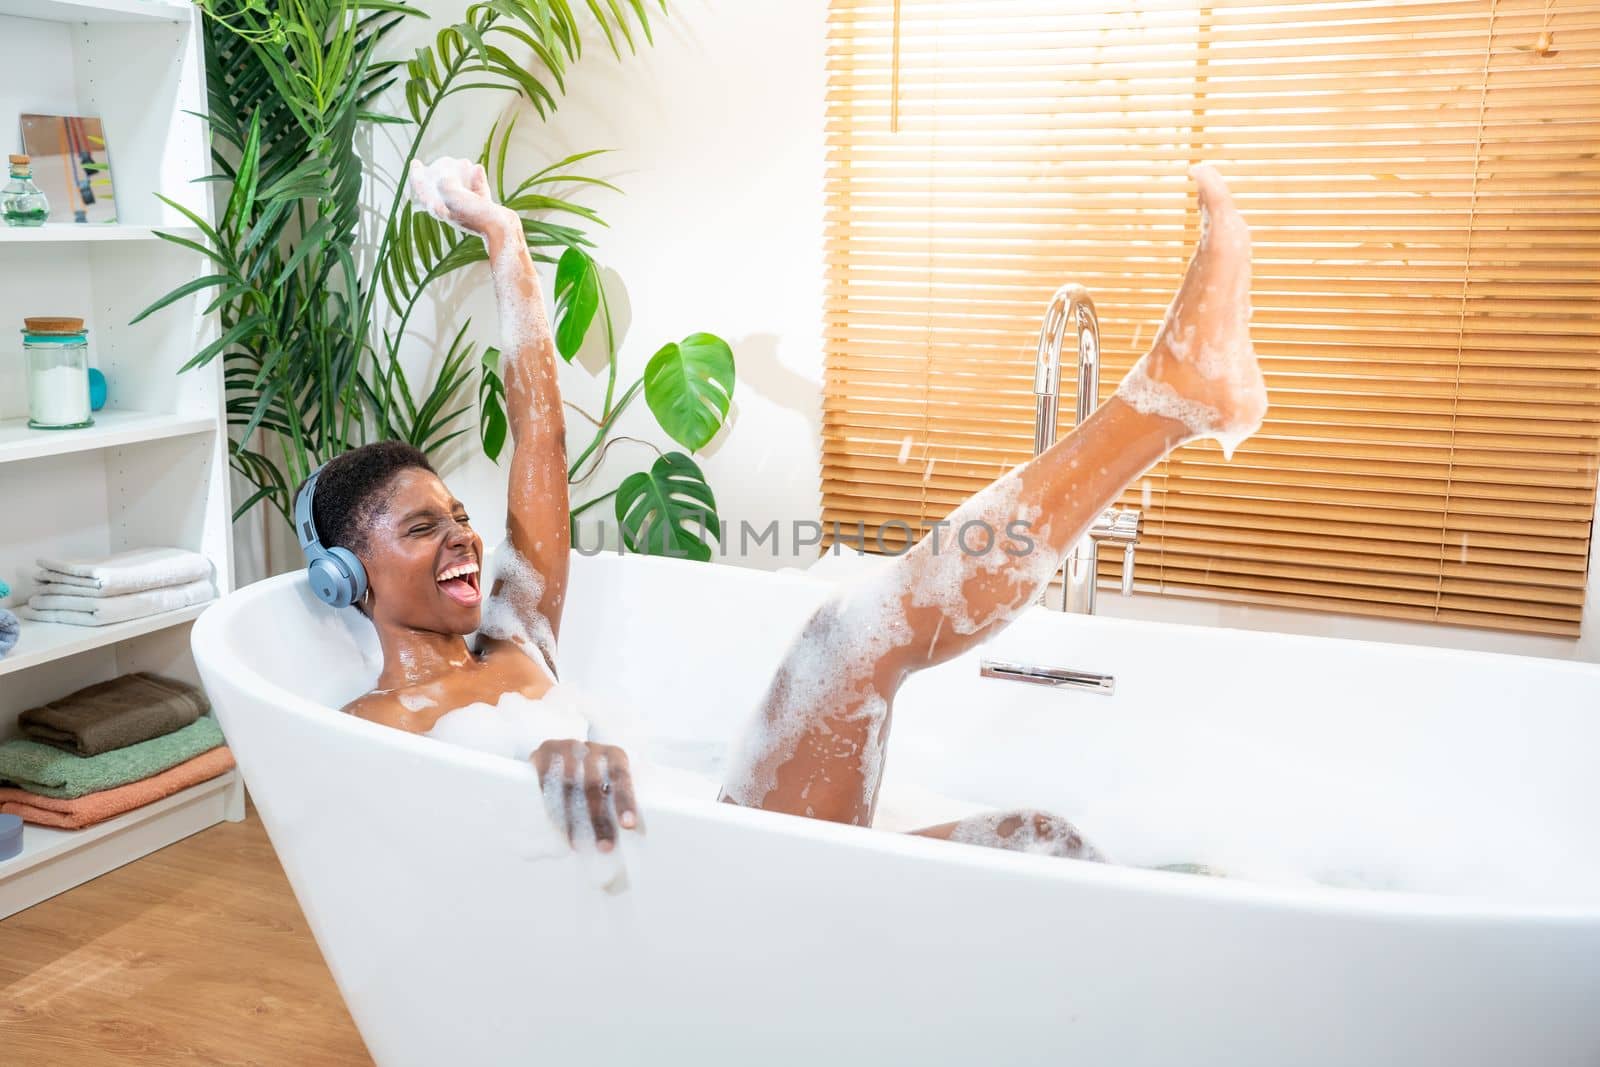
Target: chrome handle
[(1058, 677), (1121, 526)]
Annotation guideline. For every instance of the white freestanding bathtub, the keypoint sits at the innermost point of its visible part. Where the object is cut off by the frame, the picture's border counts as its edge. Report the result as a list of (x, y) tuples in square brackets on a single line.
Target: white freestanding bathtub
[(1467, 782)]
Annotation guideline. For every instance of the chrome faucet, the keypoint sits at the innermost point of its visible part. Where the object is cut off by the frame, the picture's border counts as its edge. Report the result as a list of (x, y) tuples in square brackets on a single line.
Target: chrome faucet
[(1072, 308)]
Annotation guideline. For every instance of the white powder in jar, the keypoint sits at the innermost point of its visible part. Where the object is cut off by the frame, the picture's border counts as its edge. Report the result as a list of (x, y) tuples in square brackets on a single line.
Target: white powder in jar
[(58, 396)]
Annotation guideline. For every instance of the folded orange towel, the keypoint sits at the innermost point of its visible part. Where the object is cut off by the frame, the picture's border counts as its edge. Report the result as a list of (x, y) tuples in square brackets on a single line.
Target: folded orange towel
[(91, 808)]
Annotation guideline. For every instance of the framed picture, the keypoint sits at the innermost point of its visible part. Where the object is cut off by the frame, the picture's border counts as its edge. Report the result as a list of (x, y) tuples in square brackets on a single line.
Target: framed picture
[(72, 166)]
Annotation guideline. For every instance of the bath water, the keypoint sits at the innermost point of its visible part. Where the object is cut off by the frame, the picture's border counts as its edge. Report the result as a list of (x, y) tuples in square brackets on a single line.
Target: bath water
[(1132, 828)]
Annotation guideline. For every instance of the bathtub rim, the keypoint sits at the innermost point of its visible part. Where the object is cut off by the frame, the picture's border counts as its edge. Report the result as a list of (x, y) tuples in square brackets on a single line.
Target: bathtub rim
[(209, 642)]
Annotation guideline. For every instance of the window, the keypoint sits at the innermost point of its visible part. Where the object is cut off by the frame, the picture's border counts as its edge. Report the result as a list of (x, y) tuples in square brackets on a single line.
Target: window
[(1423, 183)]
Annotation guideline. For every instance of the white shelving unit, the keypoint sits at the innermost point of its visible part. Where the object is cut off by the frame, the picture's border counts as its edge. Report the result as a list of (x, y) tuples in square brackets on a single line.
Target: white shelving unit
[(62, 233), (153, 469), (49, 641), (111, 429), (97, 10)]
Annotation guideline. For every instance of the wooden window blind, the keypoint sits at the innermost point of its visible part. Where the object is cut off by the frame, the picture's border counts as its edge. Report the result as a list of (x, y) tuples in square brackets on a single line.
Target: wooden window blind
[(1423, 183)]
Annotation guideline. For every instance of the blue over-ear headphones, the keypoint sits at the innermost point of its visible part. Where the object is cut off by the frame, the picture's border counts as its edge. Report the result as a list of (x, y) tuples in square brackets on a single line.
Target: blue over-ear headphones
[(337, 576)]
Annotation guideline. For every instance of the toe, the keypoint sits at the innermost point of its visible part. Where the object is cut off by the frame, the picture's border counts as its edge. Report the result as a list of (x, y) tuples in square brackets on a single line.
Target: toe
[(1213, 190), (1222, 218)]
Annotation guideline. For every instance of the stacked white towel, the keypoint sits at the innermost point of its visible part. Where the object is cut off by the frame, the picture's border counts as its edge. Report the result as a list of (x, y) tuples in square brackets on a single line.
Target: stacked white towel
[(118, 588)]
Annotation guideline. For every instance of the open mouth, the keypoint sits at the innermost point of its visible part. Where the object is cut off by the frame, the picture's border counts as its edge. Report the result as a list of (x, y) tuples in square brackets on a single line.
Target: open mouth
[(459, 582)]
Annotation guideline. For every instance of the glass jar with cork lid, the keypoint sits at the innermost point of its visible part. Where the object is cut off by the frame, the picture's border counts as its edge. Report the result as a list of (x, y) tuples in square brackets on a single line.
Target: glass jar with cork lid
[(21, 202), (57, 354)]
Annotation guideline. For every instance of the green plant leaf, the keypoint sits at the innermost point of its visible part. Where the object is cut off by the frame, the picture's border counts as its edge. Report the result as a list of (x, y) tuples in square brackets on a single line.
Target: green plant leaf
[(577, 300), (180, 292), (310, 346), (668, 510), (492, 420), (688, 386)]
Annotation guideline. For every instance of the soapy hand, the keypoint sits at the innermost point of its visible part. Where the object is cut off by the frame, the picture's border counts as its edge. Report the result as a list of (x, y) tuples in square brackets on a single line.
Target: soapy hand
[(588, 790), (457, 192)]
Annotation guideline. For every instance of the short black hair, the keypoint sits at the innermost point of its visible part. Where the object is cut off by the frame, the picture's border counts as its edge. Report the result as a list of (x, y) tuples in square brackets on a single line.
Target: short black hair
[(352, 489)]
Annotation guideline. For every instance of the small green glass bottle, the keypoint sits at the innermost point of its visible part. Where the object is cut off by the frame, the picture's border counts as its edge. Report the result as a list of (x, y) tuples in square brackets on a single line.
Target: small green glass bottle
[(21, 202)]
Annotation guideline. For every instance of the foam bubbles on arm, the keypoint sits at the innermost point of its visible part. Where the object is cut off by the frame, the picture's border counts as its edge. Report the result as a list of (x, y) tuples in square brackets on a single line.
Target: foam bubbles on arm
[(514, 609)]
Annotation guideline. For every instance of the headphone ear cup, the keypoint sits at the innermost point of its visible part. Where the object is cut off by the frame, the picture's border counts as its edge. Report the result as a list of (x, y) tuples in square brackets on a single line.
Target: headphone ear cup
[(329, 582), (356, 574)]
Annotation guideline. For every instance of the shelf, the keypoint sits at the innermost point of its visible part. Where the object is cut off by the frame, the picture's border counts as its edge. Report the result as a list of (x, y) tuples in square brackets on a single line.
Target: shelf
[(111, 429), (71, 233), (56, 860), (41, 844), (42, 642), (97, 10)]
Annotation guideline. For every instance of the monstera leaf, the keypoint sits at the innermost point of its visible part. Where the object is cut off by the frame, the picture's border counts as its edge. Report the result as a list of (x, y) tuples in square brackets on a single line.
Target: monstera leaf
[(492, 419), (668, 510), (689, 385), (577, 299)]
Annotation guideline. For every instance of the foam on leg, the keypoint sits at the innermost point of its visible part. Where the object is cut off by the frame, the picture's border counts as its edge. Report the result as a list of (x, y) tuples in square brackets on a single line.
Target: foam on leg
[(834, 690), (1026, 831), (829, 671)]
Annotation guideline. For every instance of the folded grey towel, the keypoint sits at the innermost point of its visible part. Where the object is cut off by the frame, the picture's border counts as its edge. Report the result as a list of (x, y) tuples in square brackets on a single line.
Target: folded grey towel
[(10, 630), (114, 714)]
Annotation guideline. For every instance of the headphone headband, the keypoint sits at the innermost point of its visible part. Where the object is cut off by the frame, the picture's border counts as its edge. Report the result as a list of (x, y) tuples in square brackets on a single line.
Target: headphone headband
[(305, 527), (336, 575)]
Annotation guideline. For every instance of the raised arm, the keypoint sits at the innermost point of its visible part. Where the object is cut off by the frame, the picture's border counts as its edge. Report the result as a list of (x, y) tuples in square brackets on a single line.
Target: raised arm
[(533, 586)]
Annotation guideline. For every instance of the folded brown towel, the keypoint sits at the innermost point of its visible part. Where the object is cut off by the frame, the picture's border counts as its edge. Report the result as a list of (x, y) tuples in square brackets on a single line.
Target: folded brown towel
[(114, 714)]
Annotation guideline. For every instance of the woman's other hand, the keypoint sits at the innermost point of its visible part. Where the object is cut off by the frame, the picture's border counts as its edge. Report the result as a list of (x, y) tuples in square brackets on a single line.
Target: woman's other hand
[(457, 192), (588, 790)]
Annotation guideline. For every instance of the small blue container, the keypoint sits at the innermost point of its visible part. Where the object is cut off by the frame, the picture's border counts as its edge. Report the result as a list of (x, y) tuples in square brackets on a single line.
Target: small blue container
[(10, 836), (97, 389)]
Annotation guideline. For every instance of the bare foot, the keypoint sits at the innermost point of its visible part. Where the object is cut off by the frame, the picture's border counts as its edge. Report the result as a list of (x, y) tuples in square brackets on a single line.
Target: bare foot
[(1202, 368)]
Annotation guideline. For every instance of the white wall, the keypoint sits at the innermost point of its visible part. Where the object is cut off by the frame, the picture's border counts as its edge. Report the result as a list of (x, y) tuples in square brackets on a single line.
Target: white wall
[(718, 132), (717, 139)]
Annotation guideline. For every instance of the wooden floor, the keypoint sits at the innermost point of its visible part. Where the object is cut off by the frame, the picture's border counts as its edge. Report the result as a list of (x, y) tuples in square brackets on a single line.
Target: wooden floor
[(197, 954)]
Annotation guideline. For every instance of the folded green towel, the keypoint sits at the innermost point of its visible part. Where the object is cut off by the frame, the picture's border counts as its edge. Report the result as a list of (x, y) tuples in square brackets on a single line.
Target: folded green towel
[(115, 714), (53, 773)]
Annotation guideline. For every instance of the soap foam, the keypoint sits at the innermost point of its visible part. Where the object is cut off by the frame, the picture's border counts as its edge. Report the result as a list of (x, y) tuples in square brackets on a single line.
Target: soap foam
[(941, 582), (1150, 397), (415, 701), (524, 326), (523, 323), (1026, 831), (828, 672), (426, 184), (514, 728), (511, 612), (833, 665), (938, 579)]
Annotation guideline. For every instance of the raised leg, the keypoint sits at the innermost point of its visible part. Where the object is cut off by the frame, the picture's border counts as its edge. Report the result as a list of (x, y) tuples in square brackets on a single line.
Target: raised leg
[(816, 747)]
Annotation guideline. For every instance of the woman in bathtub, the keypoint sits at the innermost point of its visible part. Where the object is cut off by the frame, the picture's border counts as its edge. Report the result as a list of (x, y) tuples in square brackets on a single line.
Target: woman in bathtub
[(816, 745)]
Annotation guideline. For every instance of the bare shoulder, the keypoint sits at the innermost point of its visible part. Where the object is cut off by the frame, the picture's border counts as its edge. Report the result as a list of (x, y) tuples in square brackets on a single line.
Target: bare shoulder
[(383, 707)]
